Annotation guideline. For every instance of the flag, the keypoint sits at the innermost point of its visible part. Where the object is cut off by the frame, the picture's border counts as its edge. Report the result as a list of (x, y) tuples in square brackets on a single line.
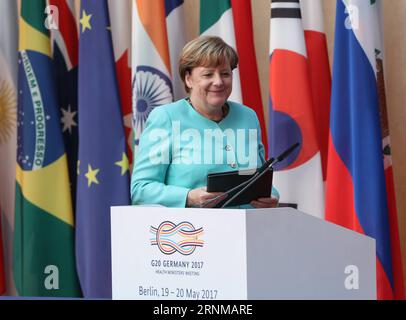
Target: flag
[(360, 193), (8, 137), (120, 17), (44, 261), (65, 57), (319, 72), (158, 37), (103, 168), (2, 272), (299, 177), (232, 21)]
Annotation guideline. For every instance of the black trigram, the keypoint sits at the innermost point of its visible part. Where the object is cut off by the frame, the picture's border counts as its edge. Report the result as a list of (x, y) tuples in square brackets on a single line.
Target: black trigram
[(285, 9)]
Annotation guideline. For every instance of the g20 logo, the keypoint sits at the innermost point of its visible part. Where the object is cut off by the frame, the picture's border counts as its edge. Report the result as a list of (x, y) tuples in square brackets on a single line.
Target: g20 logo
[(171, 238)]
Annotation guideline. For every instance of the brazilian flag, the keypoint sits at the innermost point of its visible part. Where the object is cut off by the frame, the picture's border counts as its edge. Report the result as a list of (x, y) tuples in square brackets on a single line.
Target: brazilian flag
[(44, 260)]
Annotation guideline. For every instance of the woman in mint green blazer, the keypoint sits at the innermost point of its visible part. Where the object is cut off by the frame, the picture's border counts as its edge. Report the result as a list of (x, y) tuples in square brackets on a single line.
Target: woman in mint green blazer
[(205, 133)]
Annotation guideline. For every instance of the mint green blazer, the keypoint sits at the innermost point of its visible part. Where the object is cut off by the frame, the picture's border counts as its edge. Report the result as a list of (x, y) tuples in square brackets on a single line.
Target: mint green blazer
[(179, 147)]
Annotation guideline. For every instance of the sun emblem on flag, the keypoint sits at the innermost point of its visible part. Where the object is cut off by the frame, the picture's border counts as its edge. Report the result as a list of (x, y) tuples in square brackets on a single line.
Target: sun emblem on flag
[(151, 88), (8, 113)]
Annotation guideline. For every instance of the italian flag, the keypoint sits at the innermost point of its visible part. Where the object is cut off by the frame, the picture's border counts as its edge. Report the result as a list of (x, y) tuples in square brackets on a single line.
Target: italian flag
[(232, 21)]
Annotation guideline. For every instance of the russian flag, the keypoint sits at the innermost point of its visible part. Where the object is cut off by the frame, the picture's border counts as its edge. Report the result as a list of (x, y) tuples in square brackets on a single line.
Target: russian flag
[(357, 190)]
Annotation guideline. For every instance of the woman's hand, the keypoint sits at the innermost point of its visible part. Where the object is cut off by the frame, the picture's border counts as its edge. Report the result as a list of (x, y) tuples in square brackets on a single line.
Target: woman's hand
[(198, 197), (265, 203)]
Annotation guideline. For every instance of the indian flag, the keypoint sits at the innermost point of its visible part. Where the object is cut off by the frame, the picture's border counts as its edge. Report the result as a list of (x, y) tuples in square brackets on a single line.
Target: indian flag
[(232, 21), (44, 260), (157, 39)]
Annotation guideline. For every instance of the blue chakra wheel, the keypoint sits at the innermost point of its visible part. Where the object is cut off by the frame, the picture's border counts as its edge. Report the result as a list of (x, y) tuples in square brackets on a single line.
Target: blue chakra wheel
[(151, 88)]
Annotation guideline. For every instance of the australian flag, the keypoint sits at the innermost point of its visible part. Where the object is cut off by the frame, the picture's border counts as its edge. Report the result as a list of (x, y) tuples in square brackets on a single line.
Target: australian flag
[(65, 56), (103, 171)]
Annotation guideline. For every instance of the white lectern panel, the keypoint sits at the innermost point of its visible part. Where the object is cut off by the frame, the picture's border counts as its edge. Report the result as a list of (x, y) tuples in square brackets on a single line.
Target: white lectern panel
[(169, 253)]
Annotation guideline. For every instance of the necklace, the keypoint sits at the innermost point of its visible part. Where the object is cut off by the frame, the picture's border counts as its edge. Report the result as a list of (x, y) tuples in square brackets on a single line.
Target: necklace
[(224, 109)]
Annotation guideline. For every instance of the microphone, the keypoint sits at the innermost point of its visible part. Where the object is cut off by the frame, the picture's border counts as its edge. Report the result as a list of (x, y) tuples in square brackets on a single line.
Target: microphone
[(265, 167), (287, 152)]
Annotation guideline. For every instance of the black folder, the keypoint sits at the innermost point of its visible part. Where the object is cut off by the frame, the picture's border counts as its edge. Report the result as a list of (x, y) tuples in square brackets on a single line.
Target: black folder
[(224, 181)]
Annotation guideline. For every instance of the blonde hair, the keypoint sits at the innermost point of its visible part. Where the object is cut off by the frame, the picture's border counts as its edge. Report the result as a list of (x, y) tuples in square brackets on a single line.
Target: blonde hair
[(205, 51)]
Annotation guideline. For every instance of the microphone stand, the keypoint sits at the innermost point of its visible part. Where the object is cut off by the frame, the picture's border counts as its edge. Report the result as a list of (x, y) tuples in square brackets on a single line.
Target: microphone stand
[(254, 178)]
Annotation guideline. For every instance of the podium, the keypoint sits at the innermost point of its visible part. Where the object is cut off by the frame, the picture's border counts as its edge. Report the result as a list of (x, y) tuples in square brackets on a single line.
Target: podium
[(205, 254)]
